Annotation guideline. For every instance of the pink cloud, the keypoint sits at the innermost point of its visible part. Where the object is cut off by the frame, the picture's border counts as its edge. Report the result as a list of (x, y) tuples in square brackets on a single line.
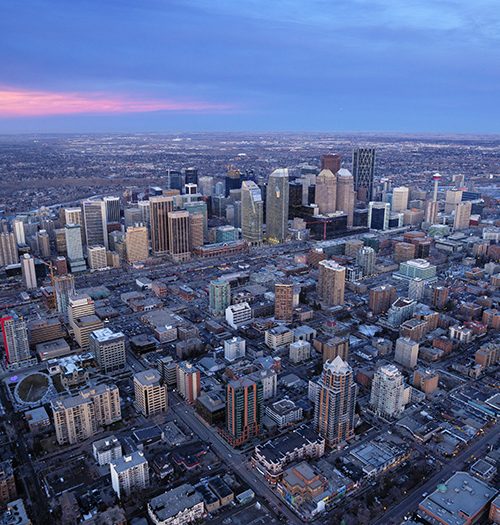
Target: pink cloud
[(15, 102)]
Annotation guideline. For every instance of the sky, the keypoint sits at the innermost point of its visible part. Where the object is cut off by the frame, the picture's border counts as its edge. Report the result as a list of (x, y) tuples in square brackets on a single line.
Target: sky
[(250, 65)]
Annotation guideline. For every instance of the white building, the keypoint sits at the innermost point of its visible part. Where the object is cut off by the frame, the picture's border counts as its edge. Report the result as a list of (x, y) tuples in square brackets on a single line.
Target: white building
[(107, 450), (387, 394), (269, 380), (238, 314), (278, 337), (109, 350), (284, 412), (129, 474), (150, 392), (28, 271), (97, 257), (234, 348), (300, 351)]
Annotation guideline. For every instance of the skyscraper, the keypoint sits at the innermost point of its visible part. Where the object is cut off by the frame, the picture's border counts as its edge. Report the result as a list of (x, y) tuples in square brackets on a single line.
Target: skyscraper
[(277, 205), (136, 242), (159, 210), (73, 216), (233, 180), (243, 410), (28, 271), (283, 301), (363, 169), (326, 192), (18, 229), (336, 402), (8, 249), (64, 288), (196, 223), (462, 215), (96, 256), (112, 207), (178, 235), (15, 339), (94, 221), (252, 208), (191, 176), (387, 393), (381, 298), (330, 161), (400, 198), (219, 296), (345, 194), (74, 247), (43, 241), (378, 215), (331, 283)]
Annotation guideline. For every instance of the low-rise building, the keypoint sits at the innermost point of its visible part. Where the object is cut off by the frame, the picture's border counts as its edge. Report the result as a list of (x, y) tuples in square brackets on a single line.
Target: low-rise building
[(272, 457), (178, 506), (238, 314), (299, 351), (284, 412), (278, 337), (462, 500)]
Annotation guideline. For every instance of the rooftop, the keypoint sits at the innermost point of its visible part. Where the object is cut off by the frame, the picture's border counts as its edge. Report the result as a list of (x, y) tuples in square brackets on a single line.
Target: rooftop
[(460, 498), (170, 503)]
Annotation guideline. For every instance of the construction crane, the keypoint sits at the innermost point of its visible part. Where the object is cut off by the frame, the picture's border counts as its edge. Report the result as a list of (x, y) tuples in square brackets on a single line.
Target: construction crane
[(52, 282)]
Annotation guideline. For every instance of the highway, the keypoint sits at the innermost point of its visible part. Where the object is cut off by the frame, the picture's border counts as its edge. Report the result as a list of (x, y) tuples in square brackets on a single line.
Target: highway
[(410, 503)]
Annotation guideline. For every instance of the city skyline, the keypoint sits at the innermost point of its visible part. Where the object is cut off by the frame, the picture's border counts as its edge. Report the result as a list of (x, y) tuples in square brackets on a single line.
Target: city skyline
[(199, 66)]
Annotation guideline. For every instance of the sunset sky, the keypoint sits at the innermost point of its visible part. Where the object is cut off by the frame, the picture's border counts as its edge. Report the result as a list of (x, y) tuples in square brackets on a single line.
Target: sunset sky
[(250, 65)]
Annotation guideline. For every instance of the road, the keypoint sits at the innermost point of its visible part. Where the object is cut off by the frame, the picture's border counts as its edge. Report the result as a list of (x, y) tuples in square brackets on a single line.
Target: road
[(231, 457), (410, 503)]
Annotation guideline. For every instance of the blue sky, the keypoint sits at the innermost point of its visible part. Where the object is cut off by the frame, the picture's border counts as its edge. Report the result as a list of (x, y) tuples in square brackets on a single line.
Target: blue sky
[(318, 65)]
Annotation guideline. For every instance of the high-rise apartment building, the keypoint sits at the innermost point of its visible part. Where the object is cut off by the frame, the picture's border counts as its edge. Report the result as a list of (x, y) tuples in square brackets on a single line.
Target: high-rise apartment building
[(400, 197), (283, 301), (188, 381), (64, 288), (150, 393), (8, 493), (19, 233), (78, 417), (366, 260), (28, 271), (326, 191), (331, 282), (363, 170), (96, 256), (244, 410), (109, 350), (15, 340), (159, 208), (381, 298), (43, 242), (94, 222), (277, 205), (178, 235), (129, 474), (330, 161), (387, 393), (336, 346), (336, 402), (406, 352), (252, 209), (439, 297), (8, 249), (80, 305), (346, 194), (219, 296), (136, 243), (234, 348), (74, 247)]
